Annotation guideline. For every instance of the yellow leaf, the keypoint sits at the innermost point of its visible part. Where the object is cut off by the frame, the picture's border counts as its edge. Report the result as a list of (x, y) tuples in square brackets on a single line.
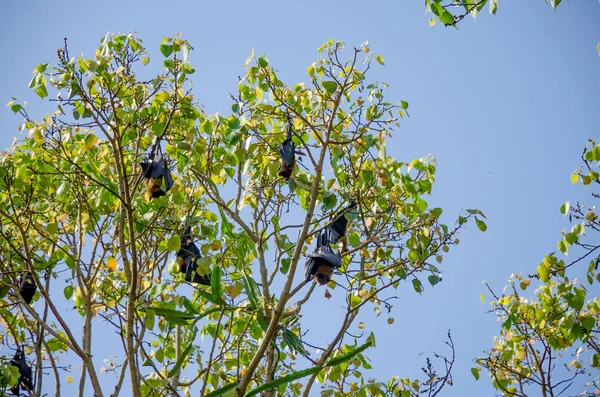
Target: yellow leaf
[(90, 141), (111, 264), (598, 48), (361, 325), (390, 320), (69, 379), (216, 245), (431, 21), (233, 290), (574, 177)]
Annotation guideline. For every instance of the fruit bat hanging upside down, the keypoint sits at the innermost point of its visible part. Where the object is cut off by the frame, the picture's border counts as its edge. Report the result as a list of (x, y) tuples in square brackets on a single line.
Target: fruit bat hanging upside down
[(25, 382), (324, 260), (186, 260), (287, 152), (155, 171)]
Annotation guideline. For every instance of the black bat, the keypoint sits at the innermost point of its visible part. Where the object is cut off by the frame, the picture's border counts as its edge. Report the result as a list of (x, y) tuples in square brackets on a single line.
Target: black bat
[(187, 256), (20, 361), (324, 260), (287, 152), (27, 287), (155, 171)]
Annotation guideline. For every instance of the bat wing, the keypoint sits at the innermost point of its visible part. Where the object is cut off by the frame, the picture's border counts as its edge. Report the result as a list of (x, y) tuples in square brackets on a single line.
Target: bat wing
[(286, 151), (337, 228), (309, 268)]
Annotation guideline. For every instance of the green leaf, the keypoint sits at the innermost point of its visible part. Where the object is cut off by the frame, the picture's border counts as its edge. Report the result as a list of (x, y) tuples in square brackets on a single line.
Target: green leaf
[(417, 285), (542, 271), (347, 356), (434, 279), (174, 243), (226, 226), (68, 291), (596, 360), (215, 284), (41, 68), (330, 86), (421, 204), (379, 58), (564, 209), (354, 239), (444, 15), (283, 380), (571, 238), (166, 49), (294, 342), (174, 316), (145, 60), (263, 62), (55, 344), (476, 212), (366, 176), (475, 373), (588, 323), (562, 246), (481, 224), (251, 291), (38, 85), (220, 392), (15, 108)]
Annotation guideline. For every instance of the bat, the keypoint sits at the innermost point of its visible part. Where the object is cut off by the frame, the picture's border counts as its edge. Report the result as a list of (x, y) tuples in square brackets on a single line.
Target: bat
[(155, 171), (325, 260), (27, 287), (20, 361), (186, 259), (287, 154)]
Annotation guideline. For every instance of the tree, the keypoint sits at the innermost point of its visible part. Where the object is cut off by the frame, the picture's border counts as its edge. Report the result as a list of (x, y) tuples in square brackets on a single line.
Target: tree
[(72, 211), (550, 343)]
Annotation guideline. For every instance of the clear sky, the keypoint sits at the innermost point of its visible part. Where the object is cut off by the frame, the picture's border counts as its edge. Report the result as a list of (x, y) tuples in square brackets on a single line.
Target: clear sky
[(505, 104)]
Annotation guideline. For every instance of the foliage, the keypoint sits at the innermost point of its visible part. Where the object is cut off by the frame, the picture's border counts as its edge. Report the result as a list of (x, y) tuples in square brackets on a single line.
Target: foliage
[(548, 344), (451, 12), (72, 212)]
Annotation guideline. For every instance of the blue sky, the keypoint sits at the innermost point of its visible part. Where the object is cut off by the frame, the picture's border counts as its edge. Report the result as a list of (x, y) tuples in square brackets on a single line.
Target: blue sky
[(505, 104)]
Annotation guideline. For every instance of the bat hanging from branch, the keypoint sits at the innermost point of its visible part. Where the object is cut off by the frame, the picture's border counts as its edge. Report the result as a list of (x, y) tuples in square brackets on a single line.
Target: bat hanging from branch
[(25, 382), (155, 171), (287, 152), (187, 257), (324, 260), (27, 286)]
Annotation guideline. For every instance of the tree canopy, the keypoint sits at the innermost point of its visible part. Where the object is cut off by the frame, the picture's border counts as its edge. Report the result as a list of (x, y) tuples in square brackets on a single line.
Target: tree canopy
[(75, 221)]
